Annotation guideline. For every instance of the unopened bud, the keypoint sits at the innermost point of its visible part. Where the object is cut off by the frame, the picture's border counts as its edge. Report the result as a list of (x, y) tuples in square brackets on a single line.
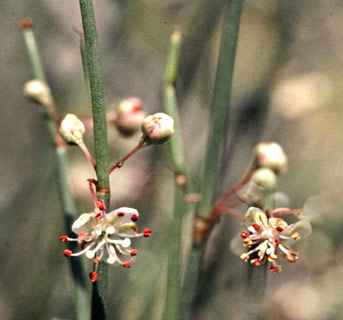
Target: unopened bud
[(271, 155), (38, 91), (129, 116), (265, 178), (158, 128), (72, 129)]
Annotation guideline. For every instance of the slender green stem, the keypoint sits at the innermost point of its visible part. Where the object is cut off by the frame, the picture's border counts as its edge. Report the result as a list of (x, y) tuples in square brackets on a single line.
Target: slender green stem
[(173, 294), (99, 294), (81, 298), (220, 107), (217, 135), (32, 50)]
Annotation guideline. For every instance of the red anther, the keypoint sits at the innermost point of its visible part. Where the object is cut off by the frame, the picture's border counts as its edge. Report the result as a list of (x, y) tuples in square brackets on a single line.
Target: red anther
[(133, 252), (280, 228), (274, 268), (64, 238), (120, 214), (292, 258), (97, 260), (67, 252), (100, 204), (134, 218), (82, 235), (126, 264), (256, 227), (99, 216), (93, 276), (244, 235), (147, 232), (277, 242)]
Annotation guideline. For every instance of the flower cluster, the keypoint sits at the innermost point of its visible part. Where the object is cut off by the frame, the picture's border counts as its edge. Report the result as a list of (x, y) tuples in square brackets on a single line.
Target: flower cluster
[(106, 237), (268, 237)]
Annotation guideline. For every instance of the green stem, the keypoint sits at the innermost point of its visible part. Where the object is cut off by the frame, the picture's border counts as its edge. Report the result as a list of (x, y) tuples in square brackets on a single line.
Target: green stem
[(173, 294), (220, 107), (32, 50), (99, 294), (217, 135), (68, 209)]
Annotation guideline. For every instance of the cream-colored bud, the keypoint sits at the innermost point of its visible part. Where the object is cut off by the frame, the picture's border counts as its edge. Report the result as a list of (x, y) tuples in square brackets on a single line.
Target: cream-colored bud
[(129, 116), (158, 128), (265, 178), (271, 155), (72, 129), (38, 91)]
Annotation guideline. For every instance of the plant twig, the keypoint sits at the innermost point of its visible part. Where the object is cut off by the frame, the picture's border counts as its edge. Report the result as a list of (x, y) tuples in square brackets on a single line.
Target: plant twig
[(99, 294), (81, 297), (217, 136), (173, 294)]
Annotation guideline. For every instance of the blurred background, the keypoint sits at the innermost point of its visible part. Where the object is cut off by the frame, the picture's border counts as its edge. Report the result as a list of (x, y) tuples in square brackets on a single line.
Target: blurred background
[(287, 88)]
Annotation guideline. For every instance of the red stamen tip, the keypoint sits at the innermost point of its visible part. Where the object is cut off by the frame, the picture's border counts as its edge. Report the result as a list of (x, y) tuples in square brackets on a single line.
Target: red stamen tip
[(100, 204), (120, 214), (133, 252), (99, 216), (147, 232), (256, 227), (280, 228), (93, 276), (244, 235), (67, 252), (274, 268), (134, 218), (277, 242), (126, 264), (97, 260), (64, 238)]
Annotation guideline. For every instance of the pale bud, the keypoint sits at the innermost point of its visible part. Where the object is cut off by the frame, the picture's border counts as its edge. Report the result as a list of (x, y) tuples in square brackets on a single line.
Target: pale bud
[(271, 155), (265, 178), (158, 128), (129, 116), (72, 129), (38, 91)]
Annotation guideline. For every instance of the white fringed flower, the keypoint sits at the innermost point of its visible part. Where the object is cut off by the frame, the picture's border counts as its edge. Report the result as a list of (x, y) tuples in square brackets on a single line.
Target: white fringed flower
[(106, 237), (268, 236)]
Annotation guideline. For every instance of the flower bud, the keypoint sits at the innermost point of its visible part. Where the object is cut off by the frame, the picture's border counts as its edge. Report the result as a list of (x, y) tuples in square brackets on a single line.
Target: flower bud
[(129, 116), (158, 128), (72, 129), (38, 91), (271, 155), (265, 178)]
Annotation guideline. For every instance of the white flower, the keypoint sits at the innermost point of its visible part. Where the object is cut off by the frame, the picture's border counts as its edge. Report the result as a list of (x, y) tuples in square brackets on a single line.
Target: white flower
[(106, 237), (267, 236)]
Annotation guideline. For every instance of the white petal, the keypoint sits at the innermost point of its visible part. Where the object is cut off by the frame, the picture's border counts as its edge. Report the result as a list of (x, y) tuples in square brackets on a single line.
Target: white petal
[(82, 223)]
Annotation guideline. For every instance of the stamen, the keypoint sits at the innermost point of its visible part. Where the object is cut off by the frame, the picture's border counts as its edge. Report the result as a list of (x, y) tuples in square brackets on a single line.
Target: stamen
[(97, 260), (295, 236), (99, 216), (67, 252), (255, 262), (126, 264), (133, 252), (120, 214), (256, 226), (64, 238), (244, 235), (100, 204), (93, 276), (134, 218), (147, 232)]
